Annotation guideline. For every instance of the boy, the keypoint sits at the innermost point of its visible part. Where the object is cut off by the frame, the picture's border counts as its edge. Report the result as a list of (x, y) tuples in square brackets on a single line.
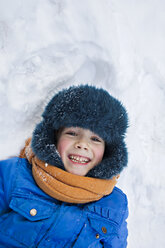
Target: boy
[(68, 198)]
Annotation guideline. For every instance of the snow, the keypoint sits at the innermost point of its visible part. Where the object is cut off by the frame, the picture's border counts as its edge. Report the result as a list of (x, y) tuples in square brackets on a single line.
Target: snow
[(46, 45)]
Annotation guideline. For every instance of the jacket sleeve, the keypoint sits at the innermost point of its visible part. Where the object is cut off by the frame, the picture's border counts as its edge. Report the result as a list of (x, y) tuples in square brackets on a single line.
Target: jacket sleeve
[(7, 172), (120, 240)]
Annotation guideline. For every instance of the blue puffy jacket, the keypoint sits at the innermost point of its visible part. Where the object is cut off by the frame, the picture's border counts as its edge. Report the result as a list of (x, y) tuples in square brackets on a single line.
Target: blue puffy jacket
[(31, 218)]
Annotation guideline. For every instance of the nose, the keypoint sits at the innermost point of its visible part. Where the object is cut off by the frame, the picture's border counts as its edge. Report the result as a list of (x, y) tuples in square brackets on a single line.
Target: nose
[(81, 145)]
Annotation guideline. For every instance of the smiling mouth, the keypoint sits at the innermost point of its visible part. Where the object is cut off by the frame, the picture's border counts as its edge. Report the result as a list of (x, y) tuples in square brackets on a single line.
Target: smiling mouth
[(79, 159)]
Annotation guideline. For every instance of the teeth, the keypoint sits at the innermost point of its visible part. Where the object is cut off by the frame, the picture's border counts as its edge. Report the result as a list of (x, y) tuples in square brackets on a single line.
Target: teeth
[(79, 159)]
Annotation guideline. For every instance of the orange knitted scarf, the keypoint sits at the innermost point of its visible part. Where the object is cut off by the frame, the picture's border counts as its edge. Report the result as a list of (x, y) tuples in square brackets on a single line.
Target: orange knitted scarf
[(63, 185)]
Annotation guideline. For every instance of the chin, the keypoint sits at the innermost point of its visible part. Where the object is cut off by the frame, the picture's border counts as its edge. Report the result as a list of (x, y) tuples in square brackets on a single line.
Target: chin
[(78, 173)]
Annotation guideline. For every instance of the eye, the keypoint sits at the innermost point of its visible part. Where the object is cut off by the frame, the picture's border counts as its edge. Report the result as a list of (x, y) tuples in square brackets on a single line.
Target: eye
[(96, 139), (72, 133)]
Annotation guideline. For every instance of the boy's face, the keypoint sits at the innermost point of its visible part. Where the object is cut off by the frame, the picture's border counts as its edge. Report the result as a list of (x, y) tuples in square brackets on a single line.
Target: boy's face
[(80, 150)]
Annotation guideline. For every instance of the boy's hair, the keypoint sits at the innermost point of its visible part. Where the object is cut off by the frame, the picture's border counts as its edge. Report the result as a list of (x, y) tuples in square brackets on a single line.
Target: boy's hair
[(90, 108)]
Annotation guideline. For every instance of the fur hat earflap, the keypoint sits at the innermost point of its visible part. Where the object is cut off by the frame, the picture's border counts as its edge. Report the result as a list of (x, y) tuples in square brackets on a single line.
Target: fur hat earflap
[(90, 108)]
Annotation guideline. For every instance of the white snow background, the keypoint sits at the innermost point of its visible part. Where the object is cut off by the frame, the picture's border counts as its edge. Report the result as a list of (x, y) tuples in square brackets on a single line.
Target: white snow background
[(119, 45)]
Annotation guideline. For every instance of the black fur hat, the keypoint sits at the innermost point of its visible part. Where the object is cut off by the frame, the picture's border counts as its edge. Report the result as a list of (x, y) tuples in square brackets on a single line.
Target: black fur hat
[(90, 108)]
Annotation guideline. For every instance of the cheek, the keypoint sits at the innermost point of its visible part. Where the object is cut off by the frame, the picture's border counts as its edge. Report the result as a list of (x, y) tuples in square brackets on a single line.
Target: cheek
[(62, 146), (99, 154)]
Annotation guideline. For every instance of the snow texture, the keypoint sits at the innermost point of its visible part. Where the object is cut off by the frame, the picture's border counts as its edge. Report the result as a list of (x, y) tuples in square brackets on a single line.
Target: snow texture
[(48, 44)]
